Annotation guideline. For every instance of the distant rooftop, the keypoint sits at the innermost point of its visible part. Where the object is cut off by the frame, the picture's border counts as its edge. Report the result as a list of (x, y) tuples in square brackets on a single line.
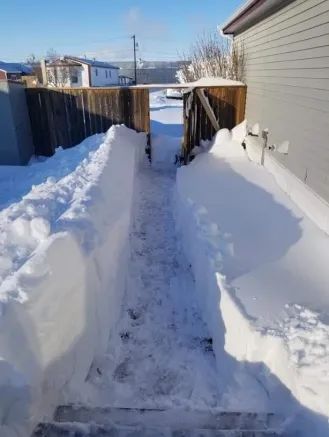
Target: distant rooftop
[(92, 62), (15, 67)]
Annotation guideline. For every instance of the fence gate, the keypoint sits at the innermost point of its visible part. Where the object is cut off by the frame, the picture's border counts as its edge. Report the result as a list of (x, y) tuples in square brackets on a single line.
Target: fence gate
[(208, 109)]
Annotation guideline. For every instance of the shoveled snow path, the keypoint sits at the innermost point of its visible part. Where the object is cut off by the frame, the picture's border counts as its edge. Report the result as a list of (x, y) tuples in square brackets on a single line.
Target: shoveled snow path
[(160, 355)]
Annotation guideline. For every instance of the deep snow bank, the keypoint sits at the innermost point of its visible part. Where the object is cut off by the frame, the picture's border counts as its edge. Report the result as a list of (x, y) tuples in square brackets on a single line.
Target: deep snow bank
[(312, 205), (63, 254), (261, 273)]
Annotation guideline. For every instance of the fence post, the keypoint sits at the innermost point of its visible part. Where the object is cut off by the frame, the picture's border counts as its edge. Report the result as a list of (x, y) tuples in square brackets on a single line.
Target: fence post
[(16, 144)]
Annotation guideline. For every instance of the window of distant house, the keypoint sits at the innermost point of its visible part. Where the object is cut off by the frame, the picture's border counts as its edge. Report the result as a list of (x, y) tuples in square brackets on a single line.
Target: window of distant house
[(106, 73), (110, 73), (96, 72), (73, 75)]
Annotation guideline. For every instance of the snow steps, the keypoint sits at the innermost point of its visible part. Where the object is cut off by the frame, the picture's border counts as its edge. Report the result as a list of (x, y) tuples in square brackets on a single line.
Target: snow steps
[(78, 421)]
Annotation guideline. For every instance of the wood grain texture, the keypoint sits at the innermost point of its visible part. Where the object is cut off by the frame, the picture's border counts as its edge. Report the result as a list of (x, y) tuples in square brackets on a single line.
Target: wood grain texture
[(64, 117), (228, 105)]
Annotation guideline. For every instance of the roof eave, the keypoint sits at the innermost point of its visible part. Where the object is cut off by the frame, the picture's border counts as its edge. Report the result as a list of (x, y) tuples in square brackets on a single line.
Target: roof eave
[(10, 72), (81, 60), (251, 13)]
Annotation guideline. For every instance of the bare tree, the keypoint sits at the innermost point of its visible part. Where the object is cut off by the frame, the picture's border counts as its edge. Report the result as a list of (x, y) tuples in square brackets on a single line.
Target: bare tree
[(32, 59), (213, 56), (34, 63), (59, 74), (52, 55)]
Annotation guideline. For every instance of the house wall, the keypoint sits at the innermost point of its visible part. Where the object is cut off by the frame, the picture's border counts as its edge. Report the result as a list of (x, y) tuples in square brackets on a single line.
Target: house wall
[(8, 144), (85, 75), (100, 78), (79, 70), (16, 145), (10, 76), (14, 76), (287, 73)]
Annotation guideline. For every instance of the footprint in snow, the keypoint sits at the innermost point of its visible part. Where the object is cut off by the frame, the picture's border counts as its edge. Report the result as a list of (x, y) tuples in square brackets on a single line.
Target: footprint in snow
[(134, 315), (125, 336), (122, 373)]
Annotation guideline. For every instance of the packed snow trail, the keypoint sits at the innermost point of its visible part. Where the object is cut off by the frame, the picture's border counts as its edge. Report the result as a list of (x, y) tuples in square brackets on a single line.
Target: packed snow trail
[(160, 355)]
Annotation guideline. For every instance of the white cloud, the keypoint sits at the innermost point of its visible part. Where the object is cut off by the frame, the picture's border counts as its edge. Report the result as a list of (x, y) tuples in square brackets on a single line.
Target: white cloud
[(133, 17), (152, 37), (122, 53), (136, 22)]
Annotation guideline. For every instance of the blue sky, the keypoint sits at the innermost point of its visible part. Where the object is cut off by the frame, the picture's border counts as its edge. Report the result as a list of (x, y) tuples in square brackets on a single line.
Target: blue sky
[(102, 28)]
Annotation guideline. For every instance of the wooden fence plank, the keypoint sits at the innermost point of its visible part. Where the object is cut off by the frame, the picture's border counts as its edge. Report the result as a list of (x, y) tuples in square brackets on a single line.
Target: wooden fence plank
[(64, 117), (207, 107), (227, 110)]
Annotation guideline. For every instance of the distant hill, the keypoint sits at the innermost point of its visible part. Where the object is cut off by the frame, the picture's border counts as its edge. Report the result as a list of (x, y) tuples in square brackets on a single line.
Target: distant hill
[(148, 64), (151, 71)]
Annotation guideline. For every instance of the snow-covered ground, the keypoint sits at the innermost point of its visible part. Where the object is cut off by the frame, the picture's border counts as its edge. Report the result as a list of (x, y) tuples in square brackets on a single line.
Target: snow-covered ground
[(166, 128), (159, 355), (262, 265)]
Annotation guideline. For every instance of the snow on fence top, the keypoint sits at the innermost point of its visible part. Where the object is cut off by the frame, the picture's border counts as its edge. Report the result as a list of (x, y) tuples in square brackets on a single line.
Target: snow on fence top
[(204, 82)]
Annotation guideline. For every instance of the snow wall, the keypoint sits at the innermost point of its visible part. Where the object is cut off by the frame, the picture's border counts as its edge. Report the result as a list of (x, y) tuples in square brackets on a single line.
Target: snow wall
[(58, 308), (298, 395)]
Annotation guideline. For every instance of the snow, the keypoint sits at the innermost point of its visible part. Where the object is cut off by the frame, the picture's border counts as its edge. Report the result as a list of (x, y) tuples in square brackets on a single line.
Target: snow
[(214, 81), (166, 128), (158, 356), (203, 82), (202, 290), (227, 144), (260, 263), (64, 231), (311, 204), (255, 129)]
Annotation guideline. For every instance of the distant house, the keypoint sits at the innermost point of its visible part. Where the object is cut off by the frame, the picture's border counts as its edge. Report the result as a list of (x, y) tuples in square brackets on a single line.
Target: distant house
[(70, 71), (125, 80), (286, 44), (13, 71)]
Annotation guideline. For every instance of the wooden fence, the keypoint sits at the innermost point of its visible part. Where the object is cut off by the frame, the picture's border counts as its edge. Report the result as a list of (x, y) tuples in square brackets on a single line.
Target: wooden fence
[(208, 109), (66, 116)]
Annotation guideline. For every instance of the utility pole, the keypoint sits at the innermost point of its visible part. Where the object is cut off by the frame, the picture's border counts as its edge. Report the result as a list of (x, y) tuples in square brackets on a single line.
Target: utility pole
[(135, 62)]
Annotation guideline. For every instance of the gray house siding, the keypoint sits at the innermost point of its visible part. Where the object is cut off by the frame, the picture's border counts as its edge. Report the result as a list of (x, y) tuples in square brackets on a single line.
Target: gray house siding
[(16, 145), (287, 73)]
